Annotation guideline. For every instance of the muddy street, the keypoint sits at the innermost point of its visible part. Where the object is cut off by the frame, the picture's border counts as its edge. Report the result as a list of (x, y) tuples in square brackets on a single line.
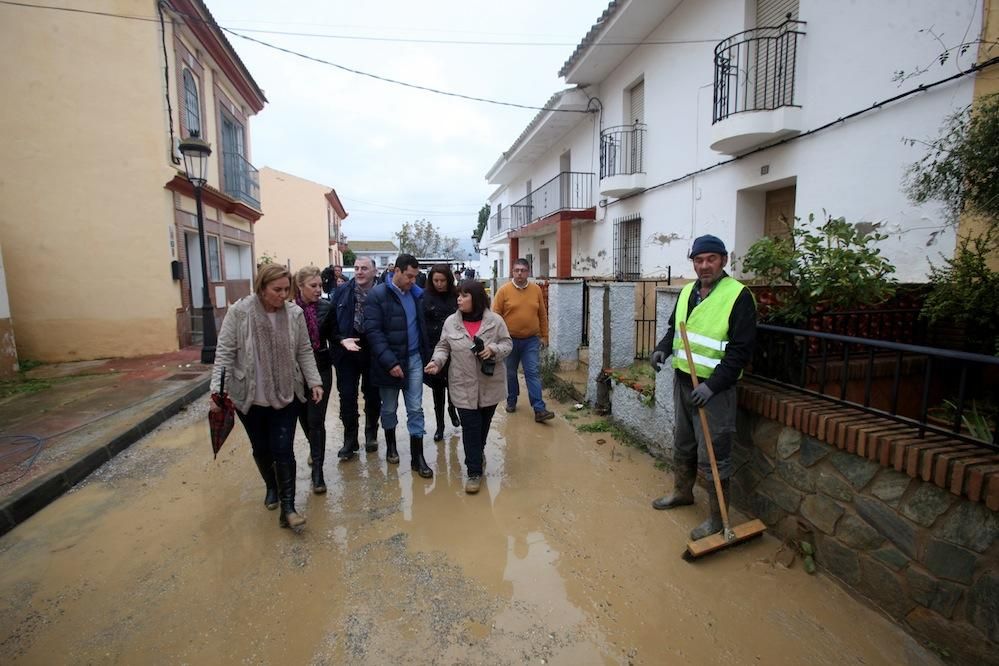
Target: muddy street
[(166, 556)]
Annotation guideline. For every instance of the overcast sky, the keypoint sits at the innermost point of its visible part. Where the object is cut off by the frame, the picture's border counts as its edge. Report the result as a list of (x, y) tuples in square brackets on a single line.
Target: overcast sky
[(392, 153)]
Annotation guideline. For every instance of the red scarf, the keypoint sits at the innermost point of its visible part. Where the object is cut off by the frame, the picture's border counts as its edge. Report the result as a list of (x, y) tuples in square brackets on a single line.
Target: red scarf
[(311, 321)]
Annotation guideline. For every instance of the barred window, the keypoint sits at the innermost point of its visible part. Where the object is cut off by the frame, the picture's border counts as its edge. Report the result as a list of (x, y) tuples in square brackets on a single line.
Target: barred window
[(627, 247), (192, 108)]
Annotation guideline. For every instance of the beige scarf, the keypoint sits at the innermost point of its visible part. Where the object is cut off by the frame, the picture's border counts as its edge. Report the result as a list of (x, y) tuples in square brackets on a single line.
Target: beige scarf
[(273, 345)]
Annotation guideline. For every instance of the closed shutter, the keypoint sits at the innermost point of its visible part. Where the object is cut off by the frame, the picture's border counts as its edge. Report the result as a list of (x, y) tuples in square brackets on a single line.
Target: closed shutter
[(638, 103), (771, 13)]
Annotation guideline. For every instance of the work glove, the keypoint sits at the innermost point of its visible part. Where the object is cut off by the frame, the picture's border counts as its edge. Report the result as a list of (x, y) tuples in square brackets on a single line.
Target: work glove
[(700, 395), (657, 359)]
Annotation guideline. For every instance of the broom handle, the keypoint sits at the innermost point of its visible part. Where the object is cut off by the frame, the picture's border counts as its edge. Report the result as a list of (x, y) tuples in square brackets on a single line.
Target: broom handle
[(707, 432)]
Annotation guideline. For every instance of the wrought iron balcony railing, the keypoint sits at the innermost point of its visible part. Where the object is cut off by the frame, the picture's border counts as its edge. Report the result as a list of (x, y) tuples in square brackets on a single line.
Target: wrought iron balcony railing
[(622, 150), (755, 70), (569, 190), (241, 179)]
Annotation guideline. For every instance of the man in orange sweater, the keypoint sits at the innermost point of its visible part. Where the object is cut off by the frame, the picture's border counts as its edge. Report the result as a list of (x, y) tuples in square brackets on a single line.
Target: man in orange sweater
[(522, 306)]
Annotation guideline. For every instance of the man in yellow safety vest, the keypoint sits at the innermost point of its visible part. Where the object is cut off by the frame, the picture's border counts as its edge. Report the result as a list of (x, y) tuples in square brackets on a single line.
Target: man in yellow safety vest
[(720, 315)]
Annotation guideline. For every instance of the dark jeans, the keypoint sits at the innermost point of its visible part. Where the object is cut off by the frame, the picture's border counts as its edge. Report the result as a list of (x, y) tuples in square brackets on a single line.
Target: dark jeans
[(474, 430), (312, 416), (353, 368), (688, 438), (272, 431)]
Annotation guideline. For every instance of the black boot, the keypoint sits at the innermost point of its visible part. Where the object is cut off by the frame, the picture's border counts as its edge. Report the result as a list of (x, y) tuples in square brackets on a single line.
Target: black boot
[(391, 452), (289, 517), (453, 413), (266, 467), (370, 436), (317, 446), (439, 413), (418, 463), (350, 445), (713, 524), (683, 488)]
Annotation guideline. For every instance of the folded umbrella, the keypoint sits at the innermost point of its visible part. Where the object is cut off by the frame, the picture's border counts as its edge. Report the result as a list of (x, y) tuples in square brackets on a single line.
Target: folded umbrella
[(221, 422)]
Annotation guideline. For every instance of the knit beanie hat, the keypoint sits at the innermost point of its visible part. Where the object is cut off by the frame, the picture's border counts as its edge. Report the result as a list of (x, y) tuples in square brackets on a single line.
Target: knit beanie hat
[(707, 243)]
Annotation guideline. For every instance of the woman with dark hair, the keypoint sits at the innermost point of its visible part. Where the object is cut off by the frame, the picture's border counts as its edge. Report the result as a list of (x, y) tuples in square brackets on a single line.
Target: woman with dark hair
[(475, 340), (440, 301)]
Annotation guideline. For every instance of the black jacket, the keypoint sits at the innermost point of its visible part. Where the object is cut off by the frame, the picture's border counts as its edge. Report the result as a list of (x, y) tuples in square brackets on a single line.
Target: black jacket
[(436, 308), (324, 312), (342, 301), (387, 333)]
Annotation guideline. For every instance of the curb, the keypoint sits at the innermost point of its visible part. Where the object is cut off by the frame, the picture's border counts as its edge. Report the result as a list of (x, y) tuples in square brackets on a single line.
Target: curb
[(44, 490)]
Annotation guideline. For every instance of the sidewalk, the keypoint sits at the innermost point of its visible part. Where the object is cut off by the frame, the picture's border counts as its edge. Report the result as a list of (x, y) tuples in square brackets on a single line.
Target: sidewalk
[(82, 414)]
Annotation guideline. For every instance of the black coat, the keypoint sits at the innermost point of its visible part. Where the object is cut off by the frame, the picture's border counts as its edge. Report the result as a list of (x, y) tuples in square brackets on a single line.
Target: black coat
[(387, 333), (436, 308)]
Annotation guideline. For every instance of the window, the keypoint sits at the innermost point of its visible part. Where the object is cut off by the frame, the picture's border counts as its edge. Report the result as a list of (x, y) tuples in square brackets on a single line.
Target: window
[(238, 263), (214, 267), (192, 107), (627, 247)]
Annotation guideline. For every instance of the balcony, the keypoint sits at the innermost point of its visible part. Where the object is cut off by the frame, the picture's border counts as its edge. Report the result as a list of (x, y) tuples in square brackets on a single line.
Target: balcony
[(241, 180), (568, 195), (755, 96), (622, 160)]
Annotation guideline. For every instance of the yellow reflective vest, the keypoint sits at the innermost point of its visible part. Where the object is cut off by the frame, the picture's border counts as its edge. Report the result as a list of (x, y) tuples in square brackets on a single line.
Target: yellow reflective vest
[(707, 326)]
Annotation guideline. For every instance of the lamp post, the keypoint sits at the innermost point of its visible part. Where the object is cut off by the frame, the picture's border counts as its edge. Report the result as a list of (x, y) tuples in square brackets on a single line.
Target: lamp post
[(196, 151)]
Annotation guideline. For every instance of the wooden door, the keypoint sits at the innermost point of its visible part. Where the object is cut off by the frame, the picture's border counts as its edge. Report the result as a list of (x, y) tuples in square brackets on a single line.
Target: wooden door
[(779, 212)]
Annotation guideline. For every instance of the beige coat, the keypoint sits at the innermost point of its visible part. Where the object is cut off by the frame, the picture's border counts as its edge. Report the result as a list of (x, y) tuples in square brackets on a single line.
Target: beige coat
[(235, 350), (468, 386)]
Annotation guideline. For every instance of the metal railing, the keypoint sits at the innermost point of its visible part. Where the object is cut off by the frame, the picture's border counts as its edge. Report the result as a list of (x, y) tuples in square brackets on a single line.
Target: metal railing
[(622, 150), (569, 190), (755, 70), (889, 379), (241, 179), (499, 222)]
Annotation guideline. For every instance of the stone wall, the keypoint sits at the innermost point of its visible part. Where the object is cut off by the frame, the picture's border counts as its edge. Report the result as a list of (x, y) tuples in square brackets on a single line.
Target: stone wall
[(565, 316)]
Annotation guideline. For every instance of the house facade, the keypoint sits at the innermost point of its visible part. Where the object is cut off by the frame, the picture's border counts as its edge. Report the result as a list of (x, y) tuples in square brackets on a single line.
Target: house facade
[(734, 117), (97, 219), (304, 221), (383, 253)]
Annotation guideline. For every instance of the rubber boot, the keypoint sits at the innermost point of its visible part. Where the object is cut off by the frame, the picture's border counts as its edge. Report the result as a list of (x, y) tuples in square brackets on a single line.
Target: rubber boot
[(317, 446), (683, 489), (266, 467), (350, 445), (713, 524), (370, 436), (453, 413), (391, 452), (439, 413), (417, 462), (289, 517)]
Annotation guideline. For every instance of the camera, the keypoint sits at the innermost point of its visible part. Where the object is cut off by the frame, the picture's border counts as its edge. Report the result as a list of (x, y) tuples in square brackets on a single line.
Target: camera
[(488, 366)]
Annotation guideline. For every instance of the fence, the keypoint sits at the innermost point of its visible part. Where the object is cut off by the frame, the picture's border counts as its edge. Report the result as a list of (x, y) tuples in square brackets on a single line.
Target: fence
[(645, 311)]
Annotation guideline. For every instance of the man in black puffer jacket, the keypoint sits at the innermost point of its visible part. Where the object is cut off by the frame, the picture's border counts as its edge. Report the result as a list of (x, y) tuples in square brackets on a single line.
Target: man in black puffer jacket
[(399, 350)]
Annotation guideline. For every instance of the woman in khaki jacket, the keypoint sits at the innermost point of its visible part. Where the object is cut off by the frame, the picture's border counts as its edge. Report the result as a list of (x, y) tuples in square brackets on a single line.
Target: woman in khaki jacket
[(265, 348), (476, 341)]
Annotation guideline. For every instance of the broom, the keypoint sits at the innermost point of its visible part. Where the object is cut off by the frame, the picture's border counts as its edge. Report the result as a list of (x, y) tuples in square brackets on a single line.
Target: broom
[(729, 536)]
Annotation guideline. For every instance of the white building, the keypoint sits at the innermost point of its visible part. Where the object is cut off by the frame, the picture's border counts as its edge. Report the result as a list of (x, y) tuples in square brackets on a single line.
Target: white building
[(684, 97), (383, 253)]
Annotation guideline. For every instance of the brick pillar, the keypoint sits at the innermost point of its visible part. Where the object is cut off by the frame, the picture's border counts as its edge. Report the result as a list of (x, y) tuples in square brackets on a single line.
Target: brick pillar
[(563, 266), (666, 298), (514, 253), (565, 319)]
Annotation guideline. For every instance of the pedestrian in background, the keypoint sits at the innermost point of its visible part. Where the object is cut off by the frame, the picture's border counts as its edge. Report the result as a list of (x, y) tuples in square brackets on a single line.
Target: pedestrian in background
[(352, 360), (473, 345), (270, 368), (440, 301), (319, 323), (394, 325), (521, 304), (720, 316)]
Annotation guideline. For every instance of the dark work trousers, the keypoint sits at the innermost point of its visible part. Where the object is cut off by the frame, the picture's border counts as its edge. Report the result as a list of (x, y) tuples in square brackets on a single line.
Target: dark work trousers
[(688, 437), (312, 416), (272, 431), (474, 431), (351, 369)]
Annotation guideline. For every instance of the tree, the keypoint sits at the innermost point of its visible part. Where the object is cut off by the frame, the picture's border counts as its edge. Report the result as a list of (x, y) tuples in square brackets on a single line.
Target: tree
[(349, 257), (422, 239), (480, 228)]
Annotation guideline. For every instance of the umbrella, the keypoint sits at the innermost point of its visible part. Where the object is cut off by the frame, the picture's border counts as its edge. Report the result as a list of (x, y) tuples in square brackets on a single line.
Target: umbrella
[(222, 421)]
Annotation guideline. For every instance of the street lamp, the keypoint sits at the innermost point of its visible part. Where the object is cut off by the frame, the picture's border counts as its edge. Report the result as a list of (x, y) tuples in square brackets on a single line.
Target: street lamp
[(196, 151)]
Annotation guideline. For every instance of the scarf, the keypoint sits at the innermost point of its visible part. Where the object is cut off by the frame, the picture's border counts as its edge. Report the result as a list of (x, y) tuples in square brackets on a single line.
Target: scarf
[(273, 349), (311, 320), (360, 296)]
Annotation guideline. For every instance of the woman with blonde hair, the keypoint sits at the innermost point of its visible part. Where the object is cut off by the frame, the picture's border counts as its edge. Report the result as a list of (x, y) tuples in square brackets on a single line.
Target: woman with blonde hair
[(308, 290), (265, 348)]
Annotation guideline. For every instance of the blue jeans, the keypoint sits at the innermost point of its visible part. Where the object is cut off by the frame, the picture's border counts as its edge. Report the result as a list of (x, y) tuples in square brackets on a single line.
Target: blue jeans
[(412, 393), (526, 351)]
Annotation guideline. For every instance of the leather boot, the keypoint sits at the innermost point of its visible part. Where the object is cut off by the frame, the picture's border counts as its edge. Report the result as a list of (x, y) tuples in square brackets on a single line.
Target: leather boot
[(317, 446), (713, 524), (350, 445), (391, 452), (371, 436), (439, 413), (266, 468), (289, 517), (453, 413), (417, 462), (683, 488)]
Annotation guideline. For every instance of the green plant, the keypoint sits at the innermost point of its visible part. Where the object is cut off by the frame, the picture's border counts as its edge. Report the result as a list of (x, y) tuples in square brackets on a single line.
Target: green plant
[(601, 425), (977, 419), (548, 367), (834, 265), (638, 377)]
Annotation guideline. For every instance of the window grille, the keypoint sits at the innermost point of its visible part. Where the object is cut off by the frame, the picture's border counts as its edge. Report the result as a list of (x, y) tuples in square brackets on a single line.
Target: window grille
[(627, 247)]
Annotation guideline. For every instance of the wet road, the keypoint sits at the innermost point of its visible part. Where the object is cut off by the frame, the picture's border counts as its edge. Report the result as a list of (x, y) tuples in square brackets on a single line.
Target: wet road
[(165, 556)]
